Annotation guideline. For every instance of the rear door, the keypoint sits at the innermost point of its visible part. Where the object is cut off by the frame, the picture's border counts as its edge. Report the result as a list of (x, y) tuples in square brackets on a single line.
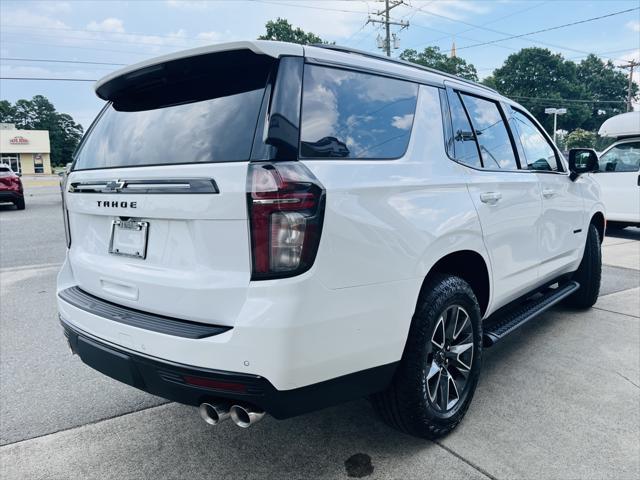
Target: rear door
[(157, 195), (560, 232), (619, 179), (506, 198)]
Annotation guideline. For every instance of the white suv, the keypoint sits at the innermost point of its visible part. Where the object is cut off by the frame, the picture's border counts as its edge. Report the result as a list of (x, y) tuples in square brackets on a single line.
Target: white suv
[(264, 227)]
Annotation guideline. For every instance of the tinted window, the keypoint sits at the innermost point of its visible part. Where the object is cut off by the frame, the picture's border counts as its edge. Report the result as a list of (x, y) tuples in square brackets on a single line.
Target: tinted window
[(539, 153), (464, 141), (621, 158), (220, 129), (355, 115), (491, 133)]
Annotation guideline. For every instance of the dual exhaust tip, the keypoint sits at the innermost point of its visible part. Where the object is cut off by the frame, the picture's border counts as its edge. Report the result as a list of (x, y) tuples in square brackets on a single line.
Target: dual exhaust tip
[(242, 415)]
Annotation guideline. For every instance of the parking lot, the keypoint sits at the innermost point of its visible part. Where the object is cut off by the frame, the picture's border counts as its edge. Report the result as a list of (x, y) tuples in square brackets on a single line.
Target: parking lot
[(558, 399)]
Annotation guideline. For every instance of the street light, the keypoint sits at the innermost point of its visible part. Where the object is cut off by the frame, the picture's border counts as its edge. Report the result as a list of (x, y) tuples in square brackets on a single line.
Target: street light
[(555, 112)]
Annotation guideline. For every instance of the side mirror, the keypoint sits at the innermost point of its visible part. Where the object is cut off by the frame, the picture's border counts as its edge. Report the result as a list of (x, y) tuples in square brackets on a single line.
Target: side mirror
[(18, 174), (582, 160)]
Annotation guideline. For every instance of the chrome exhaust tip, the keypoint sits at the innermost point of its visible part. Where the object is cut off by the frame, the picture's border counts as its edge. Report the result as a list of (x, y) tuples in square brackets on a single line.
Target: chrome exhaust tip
[(245, 416), (214, 413)]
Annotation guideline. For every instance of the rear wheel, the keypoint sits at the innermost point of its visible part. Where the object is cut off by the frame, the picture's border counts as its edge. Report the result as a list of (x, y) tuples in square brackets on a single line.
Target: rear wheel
[(589, 273), (440, 367), (19, 204)]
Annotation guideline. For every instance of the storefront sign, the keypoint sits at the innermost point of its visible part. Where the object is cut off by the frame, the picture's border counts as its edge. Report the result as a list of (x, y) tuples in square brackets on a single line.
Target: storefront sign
[(19, 141)]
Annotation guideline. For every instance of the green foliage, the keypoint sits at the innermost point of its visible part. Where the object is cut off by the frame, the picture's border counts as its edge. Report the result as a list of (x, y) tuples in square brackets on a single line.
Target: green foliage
[(40, 114), (603, 82), (432, 57), (282, 31), (580, 138), (539, 79)]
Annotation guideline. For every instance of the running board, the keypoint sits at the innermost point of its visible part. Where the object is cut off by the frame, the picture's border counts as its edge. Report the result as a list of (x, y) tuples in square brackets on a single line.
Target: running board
[(508, 321)]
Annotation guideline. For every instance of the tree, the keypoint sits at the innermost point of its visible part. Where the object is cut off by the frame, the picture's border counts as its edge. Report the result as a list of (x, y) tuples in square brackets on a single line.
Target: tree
[(432, 57), (282, 31), (538, 79), (580, 138), (603, 82), (40, 114)]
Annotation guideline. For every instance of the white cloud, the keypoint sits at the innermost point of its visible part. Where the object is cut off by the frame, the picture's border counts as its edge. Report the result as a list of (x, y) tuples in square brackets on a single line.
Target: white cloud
[(633, 25), (107, 25), (188, 4), (403, 122), (211, 37)]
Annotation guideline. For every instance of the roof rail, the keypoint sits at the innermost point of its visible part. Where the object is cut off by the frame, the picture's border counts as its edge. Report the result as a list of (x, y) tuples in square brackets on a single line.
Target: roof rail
[(384, 58)]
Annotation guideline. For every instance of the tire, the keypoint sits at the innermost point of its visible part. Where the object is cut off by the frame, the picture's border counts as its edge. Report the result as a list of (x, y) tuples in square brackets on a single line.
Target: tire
[(20, 204), (413, 402), (589, 273)]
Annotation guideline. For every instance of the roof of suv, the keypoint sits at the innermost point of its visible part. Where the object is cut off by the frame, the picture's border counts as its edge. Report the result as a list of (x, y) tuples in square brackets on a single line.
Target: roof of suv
[(331, 54)]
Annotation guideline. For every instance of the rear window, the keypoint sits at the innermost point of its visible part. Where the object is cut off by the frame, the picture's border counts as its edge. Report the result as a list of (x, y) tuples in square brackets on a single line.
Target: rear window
[(355, 115), (216, 130), (194, 109)]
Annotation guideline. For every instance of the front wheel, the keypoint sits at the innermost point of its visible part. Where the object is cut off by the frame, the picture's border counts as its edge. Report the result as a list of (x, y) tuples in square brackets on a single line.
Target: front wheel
[(589, 273), (19, 203), (440, 367)]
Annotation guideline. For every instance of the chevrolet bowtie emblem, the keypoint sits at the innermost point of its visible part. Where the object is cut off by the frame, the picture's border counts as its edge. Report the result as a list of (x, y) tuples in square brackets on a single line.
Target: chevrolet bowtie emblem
[(114, 186)]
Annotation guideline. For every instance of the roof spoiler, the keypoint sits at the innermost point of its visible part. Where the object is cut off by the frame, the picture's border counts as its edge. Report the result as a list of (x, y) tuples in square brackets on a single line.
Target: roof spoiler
[(151, 71)]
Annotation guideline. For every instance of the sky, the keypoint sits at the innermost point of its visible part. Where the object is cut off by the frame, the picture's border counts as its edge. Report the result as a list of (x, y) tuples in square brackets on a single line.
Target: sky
[(118, 32)]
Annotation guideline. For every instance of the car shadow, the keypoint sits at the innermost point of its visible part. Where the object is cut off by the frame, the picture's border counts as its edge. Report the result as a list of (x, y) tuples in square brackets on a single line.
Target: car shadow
[(629, 233)]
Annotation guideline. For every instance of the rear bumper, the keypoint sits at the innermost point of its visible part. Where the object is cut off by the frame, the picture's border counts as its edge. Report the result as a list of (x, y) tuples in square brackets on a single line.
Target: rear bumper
[(176, 382), (10, 196)]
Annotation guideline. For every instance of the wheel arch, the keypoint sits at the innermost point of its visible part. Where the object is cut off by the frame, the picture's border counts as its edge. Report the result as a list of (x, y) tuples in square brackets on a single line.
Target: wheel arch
[(469, 265), (599, 222)]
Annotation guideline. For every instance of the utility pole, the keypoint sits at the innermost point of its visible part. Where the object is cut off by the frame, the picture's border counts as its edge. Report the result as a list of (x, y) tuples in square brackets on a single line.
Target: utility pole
[(555, 112), (630, 65), (386, 20)]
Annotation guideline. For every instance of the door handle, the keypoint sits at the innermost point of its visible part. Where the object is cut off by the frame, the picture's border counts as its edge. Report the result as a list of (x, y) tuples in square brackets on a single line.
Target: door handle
[(490, 198), (548, 193)]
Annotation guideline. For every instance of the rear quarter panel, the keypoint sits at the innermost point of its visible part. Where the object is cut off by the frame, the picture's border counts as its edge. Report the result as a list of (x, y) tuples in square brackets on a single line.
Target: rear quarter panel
[(392, 220)]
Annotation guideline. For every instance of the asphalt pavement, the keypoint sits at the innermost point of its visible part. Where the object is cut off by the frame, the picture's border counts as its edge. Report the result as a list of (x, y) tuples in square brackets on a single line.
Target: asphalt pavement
[(558, 399)]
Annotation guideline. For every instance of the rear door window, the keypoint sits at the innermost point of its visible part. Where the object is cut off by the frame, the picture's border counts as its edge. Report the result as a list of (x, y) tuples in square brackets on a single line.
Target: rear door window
[(464, 141), (356, 115), (491, 133)]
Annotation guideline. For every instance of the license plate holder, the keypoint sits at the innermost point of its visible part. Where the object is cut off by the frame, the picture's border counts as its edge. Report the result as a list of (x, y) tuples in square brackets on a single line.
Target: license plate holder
[(129, 238)]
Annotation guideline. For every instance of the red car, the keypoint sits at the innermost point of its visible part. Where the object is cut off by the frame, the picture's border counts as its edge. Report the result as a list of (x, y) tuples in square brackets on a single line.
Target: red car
[(11, 187)]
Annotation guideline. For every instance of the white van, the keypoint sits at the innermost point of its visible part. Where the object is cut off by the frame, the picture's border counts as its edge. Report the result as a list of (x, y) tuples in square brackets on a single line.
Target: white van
[(619, 170)]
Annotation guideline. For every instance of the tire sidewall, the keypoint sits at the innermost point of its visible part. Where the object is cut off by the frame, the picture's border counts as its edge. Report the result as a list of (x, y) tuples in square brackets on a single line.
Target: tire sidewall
[(457, 292)]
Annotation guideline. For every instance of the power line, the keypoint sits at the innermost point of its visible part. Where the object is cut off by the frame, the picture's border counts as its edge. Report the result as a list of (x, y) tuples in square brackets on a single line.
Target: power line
[(45, 60), (551, 28), (50, 79), (508, 35), (308, 6), (140, 54), (571, 100), (600, 55)]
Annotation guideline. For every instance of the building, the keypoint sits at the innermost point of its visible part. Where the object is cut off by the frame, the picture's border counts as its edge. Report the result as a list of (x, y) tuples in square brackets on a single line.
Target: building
[(27, 151)]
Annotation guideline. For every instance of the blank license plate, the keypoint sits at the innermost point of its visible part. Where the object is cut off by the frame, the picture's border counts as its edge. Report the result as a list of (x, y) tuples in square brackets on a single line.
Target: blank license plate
[(129, 238)]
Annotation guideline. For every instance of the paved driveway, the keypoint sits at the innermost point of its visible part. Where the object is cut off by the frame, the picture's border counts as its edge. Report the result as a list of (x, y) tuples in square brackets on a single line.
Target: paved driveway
[(559, 399)]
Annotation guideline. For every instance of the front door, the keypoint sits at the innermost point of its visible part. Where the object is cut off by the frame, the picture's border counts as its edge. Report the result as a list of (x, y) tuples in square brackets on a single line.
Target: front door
[(559, 233)]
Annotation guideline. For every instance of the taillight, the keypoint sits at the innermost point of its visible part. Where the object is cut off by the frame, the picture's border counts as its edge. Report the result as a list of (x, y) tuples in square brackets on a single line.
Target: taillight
[(65, 212), (286, 209)]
